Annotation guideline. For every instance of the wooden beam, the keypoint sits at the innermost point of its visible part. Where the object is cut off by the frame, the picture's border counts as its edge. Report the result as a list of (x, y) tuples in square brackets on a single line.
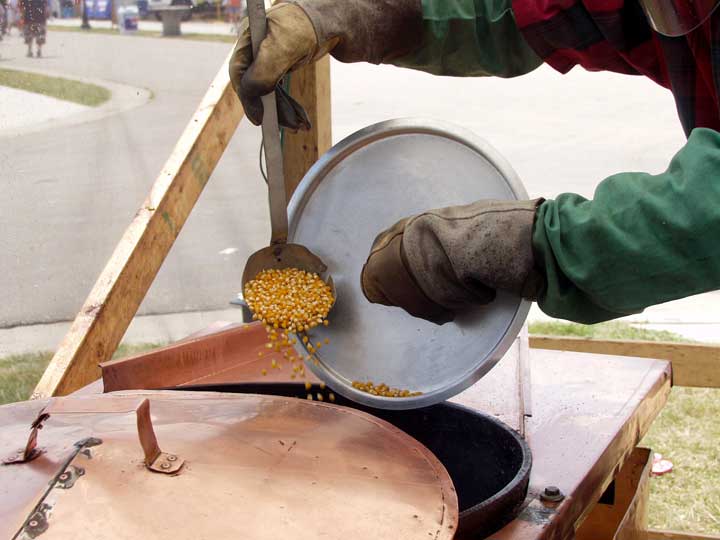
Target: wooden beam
[(692, 364), (122, 285), (654, 534), (310, 86)]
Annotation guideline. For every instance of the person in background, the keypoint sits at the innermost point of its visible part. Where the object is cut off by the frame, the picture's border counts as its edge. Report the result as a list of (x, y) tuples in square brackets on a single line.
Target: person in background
[(233, 8), (3, 18), (34, 14)]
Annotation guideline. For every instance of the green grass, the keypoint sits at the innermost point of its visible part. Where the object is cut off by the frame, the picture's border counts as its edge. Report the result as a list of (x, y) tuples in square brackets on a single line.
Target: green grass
[(146, 33), (686, 432), (609, 330), (57, 87), (19, 373)]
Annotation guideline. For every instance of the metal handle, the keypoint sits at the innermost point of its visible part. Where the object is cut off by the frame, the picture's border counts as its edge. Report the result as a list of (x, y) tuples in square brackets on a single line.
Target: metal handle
[(271, 135)]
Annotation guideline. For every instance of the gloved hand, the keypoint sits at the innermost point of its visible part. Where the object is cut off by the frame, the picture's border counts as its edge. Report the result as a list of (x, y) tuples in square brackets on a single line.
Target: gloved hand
[(442, 261), (302, 31)]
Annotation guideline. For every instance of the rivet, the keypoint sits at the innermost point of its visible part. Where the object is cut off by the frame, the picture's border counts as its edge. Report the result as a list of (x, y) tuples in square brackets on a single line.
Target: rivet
[(552, 494), (172, 458), (64, 476), (33, 523), (165, 465)]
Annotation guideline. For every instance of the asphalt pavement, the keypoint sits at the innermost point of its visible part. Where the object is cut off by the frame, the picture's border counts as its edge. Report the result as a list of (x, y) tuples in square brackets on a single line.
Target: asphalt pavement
[(70, 191)]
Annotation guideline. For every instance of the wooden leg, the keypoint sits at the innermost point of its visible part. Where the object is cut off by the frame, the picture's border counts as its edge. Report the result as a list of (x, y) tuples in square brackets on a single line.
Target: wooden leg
[(311, 87), (122, 285), (621, 514)]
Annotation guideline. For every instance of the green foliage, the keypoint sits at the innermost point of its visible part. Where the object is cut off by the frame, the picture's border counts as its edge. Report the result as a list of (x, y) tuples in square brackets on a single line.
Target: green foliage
[(608, 330), (19, 373)]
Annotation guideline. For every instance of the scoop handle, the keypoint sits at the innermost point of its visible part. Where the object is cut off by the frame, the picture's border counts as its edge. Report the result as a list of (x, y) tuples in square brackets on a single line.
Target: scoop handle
[(271, 135)]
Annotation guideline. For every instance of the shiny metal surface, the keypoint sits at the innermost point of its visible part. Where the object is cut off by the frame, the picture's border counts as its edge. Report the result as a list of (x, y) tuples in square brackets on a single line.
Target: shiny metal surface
[(364, 184), (257, 467)]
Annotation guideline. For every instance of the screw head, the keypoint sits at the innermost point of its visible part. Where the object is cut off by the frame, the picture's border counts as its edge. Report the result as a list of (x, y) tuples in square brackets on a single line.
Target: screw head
[(552, 494), (33, 523), (64, 476), (165, 465), (172, 458)]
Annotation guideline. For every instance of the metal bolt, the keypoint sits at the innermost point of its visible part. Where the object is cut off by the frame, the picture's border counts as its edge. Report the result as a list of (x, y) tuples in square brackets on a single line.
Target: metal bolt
[(172, 458), (64, 476), (552, 494), (33, 523), (165, 465)]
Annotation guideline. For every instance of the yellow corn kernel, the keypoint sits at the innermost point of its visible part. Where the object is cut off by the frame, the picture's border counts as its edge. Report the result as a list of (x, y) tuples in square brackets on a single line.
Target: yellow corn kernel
[(308, 386)]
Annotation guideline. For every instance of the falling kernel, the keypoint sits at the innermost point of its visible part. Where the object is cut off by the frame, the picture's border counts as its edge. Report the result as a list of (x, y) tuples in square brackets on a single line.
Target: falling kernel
[(331, 396), (319, 396), (264, 371)]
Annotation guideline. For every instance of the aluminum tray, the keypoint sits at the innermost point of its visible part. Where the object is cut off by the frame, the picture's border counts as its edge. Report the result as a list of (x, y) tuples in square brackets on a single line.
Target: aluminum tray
[(364, 184)]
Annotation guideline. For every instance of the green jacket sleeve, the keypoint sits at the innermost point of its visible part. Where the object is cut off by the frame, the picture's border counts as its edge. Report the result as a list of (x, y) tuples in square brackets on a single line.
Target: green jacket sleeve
[(471, 38), (642, 240)]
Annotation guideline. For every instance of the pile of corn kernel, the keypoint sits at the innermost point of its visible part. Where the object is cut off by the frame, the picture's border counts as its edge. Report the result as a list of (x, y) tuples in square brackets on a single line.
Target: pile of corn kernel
[(291, 301), (383, 390)]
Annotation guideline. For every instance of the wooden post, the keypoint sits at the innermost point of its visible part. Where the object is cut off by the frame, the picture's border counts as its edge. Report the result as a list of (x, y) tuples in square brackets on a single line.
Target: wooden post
[(692, 364), (122, 285), (310, 86)]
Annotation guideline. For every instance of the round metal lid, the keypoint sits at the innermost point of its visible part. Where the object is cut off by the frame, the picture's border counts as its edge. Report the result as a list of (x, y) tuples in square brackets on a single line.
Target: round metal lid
[(364, 184), (241, 466)]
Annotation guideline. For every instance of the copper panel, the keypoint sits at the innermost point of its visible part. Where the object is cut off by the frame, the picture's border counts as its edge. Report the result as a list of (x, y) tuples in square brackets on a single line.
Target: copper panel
[(589, 413), (258, 467), (227, 353), (232, 354)]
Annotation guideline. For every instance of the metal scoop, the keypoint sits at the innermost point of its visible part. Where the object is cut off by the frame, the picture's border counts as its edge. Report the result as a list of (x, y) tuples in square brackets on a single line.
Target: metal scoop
[(279, 254)]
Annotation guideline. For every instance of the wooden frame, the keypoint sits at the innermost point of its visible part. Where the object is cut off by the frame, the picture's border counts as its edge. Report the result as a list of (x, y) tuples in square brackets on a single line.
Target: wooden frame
[(122, 285), (693, 364)]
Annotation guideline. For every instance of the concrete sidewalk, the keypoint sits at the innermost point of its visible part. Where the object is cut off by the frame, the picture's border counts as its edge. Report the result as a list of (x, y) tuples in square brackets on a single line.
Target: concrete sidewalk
[(697, 317), (144, 329)]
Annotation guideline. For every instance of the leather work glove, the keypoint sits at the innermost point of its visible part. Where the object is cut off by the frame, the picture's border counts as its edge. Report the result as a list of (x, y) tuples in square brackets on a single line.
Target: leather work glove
[(442, 261), (302, 31)]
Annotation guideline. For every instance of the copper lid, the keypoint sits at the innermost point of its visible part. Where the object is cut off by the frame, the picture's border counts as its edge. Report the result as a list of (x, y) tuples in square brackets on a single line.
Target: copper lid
[(238, 466)]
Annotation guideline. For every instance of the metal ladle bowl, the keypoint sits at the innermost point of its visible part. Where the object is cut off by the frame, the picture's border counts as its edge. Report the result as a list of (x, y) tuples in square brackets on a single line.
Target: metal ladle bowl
[(283, 255)]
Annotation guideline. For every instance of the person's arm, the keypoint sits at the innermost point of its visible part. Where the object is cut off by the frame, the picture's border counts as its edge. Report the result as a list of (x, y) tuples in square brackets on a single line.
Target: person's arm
[(470, 38), (449, 37), (642, 239)]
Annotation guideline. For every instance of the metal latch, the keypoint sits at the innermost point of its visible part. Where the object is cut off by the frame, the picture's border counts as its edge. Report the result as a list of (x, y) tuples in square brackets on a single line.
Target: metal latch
[(155, 459)]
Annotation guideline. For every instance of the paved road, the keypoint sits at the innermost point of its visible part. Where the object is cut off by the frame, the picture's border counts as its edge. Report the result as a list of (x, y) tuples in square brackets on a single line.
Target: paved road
[(69, 193)]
